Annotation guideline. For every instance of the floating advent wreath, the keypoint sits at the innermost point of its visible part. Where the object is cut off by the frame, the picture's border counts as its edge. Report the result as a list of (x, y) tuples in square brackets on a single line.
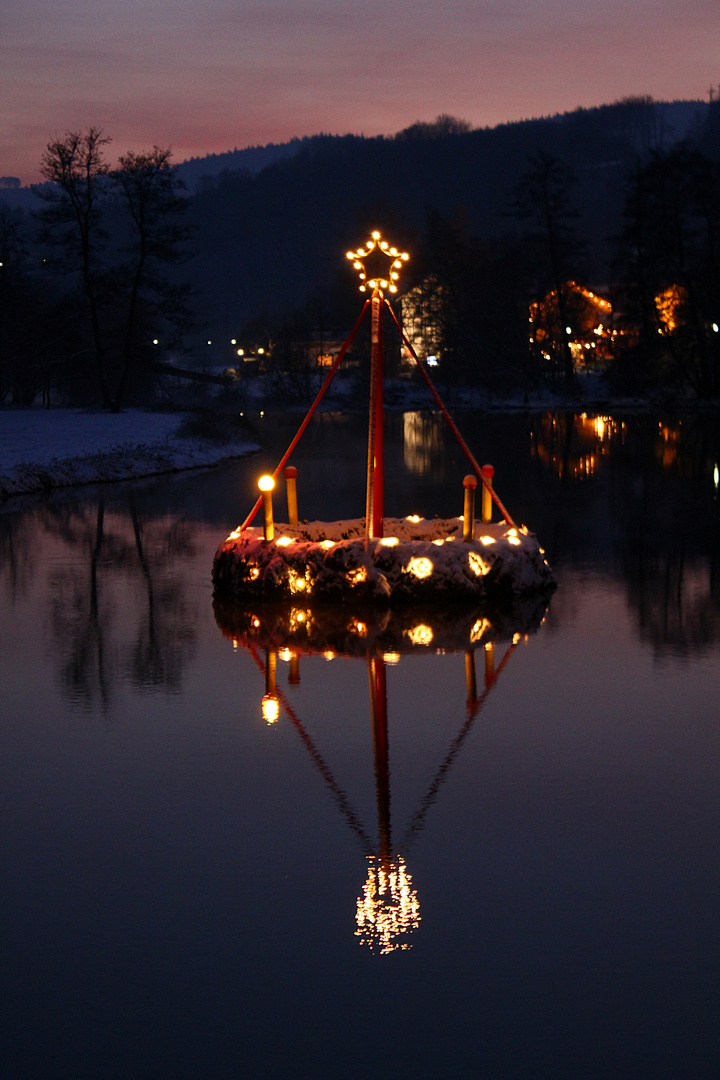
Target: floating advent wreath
[(378, 560)]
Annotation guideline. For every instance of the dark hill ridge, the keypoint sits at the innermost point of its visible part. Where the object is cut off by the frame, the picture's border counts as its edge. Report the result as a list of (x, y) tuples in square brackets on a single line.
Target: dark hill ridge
[(251, 159), (670, 121), (273, 240), (273, 222), (645, 123)]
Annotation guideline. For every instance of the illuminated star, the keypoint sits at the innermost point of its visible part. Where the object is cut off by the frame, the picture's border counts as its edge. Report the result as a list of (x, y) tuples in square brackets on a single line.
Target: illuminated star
[(386, 274)]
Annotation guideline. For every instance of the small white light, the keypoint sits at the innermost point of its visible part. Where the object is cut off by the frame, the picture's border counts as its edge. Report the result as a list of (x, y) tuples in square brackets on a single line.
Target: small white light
[(420, 635), (420, 567)]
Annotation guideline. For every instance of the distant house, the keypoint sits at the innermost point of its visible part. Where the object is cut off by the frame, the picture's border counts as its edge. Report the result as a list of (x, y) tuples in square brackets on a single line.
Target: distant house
[(322, 348), (422, 319), (588, 326)]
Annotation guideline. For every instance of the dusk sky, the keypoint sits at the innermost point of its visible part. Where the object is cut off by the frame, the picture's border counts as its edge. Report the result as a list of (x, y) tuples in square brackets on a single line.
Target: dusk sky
[(209, 76)]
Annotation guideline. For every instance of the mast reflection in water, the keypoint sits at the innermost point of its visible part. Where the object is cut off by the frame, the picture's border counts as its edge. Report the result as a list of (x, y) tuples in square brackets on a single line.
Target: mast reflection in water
[(388, 909)]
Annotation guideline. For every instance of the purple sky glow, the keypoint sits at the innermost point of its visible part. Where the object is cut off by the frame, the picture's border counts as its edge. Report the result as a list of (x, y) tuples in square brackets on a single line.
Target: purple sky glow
[(208, 76)]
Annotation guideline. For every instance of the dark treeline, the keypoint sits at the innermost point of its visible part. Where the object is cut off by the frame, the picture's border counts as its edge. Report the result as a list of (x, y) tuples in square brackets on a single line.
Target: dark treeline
[(84, 282), (504, 225)]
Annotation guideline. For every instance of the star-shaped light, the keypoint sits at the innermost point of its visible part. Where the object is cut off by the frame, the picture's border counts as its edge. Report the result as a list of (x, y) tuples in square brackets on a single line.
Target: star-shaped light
[(386, 275)]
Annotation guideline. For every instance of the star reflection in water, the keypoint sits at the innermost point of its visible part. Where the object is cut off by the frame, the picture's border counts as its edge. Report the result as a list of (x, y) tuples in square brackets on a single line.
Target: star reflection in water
[(388, 909)]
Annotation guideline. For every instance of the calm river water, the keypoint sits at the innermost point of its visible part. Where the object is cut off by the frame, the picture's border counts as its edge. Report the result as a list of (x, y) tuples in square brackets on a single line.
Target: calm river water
[(186, 889)]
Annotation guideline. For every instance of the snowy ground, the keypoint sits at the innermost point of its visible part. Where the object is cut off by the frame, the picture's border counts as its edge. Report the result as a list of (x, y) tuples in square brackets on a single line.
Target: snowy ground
[(42, 449)]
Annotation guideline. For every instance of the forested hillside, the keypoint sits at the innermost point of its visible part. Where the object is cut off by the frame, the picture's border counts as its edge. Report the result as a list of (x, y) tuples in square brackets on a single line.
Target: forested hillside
[(112, 270), (276, 239)]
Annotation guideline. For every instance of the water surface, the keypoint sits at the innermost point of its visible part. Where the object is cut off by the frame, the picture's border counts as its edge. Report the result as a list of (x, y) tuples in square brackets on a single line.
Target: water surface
[(181, 879)]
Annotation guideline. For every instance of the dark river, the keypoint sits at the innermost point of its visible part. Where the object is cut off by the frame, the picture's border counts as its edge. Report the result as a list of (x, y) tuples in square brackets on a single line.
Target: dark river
[(190, 892)]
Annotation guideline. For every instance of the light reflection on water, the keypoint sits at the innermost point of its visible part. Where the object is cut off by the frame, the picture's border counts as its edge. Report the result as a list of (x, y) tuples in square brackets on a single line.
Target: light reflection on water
[(423, 442), (183, 881)]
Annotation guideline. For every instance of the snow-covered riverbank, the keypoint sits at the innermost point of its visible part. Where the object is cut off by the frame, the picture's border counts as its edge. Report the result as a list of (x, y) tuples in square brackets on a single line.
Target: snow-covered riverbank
[(43, 449)]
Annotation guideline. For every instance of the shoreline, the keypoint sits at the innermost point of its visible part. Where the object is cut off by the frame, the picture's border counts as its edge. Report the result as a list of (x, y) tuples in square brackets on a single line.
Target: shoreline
[(42, 450), (46, 449)]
